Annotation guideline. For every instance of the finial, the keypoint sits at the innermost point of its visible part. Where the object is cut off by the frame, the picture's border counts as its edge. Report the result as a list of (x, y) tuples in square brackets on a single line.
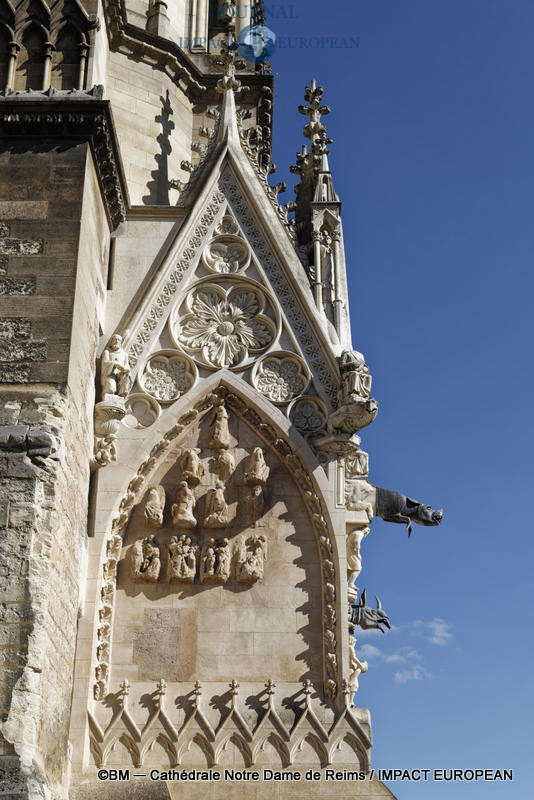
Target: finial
[(162, 686), (347, 694), (234, 686), (197, 691), (227, 59), (307, 689), (125, 691)]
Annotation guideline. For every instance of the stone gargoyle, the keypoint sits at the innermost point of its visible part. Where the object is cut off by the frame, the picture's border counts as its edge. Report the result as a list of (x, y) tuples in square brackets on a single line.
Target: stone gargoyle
[(368, 618), (396, 507), (353, 415)]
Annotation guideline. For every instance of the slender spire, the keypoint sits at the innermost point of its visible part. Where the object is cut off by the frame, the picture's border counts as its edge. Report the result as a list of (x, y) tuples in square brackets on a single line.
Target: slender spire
[(229, 86), (315, 183)]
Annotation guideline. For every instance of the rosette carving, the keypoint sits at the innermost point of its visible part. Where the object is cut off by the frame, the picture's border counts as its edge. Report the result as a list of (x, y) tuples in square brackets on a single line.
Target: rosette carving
[(167, 375), (281, 377), (225, 324)]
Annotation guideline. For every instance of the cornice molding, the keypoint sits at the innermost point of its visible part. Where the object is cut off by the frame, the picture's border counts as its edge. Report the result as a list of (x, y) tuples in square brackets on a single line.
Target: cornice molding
[(166, 55), (71, 115)]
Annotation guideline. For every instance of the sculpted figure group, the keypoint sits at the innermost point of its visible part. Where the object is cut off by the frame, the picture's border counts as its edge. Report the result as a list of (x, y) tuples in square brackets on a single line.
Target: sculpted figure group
[(182, 558)]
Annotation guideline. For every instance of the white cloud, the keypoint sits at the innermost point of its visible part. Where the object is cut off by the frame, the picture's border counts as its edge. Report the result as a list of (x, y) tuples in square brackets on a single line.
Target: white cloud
[(440, 631), (368, 651), (403, 654), (416, 673), (436, 632)]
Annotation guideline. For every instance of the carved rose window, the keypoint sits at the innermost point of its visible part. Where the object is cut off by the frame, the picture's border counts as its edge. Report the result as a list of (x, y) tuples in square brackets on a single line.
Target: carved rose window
[(167, 376), (225, 327), (281, 379)]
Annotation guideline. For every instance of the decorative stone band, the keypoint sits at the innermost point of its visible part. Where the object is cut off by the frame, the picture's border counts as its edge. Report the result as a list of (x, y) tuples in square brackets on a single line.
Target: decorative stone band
[(136, 491), (349, 727), (71, 115)]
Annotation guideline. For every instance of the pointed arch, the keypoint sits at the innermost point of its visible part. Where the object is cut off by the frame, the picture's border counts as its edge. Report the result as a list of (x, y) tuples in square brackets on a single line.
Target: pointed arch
[(195, 743), (312, 741), (354, 744), (277, 743), (276, 430), (164, 743), (66, 57), (31, 58), (239, 744)]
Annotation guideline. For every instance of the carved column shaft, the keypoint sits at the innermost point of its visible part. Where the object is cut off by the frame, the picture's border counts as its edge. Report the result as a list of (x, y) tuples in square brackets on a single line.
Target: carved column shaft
[(318, 289), (47, 71), (13, 50)]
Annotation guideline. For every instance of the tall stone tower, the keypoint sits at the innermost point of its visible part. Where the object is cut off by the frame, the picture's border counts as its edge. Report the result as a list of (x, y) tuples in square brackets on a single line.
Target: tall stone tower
[(182, 491)]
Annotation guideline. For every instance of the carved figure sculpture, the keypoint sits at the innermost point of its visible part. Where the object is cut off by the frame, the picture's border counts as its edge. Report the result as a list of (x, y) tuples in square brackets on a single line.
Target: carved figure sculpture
[(223, 464), (355, 377), (154, 506), (354, 560), (216, 508), (255, 503), (220, 439), (252, 561), (191, 466), (145, 560), (366, 617), (352, 416), (223, 561), (182, 559), (115, 369), (258, 471), (207, 563), (182, 511), (396, 507), (359, 496), (356, 668)]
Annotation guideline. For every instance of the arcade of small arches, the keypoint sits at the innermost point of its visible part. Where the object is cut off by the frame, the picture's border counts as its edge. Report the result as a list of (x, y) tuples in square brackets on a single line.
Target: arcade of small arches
[(42, 47)]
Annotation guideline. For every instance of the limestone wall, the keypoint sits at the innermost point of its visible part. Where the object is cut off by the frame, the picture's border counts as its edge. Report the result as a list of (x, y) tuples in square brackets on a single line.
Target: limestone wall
[(45, 444), (154, 127)]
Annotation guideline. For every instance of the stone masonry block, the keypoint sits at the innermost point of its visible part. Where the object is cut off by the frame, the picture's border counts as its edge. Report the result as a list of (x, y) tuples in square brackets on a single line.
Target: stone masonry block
[(4, 229), (15, 328), (10, 286), (23, 209), (21, 247), (22, 351)]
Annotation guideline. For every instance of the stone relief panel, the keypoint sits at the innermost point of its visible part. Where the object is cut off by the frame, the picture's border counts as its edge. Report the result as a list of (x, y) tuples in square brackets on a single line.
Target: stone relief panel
[(225, 324), (280, 377), (155, 506), (242, 583), (167, 375)]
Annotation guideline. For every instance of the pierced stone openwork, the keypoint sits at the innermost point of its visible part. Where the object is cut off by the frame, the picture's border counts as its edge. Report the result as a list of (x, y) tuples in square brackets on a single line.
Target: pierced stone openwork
[(280, 377), (167, 375), (225, 254), (225, 324), (141, 411)]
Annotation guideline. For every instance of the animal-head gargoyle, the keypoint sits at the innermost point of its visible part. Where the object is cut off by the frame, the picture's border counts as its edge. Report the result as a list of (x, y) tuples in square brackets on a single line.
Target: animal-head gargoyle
[(396, 507), (366, 617)]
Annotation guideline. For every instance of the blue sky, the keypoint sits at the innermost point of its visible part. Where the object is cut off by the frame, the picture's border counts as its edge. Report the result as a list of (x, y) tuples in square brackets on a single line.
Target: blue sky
[(433, 158)]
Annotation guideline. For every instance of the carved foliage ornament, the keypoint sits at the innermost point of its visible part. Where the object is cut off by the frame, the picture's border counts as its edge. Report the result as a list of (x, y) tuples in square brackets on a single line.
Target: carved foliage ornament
[(167, 375), (281, 377), (136, 490), (224, 325)]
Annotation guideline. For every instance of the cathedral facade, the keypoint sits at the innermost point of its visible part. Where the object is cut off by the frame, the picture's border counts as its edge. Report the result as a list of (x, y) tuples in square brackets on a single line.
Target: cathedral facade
[(183, 491)]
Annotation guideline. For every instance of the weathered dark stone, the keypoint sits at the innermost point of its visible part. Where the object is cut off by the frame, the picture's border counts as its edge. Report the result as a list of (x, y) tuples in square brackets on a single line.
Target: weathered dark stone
[(11, 286), (15, 328)]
